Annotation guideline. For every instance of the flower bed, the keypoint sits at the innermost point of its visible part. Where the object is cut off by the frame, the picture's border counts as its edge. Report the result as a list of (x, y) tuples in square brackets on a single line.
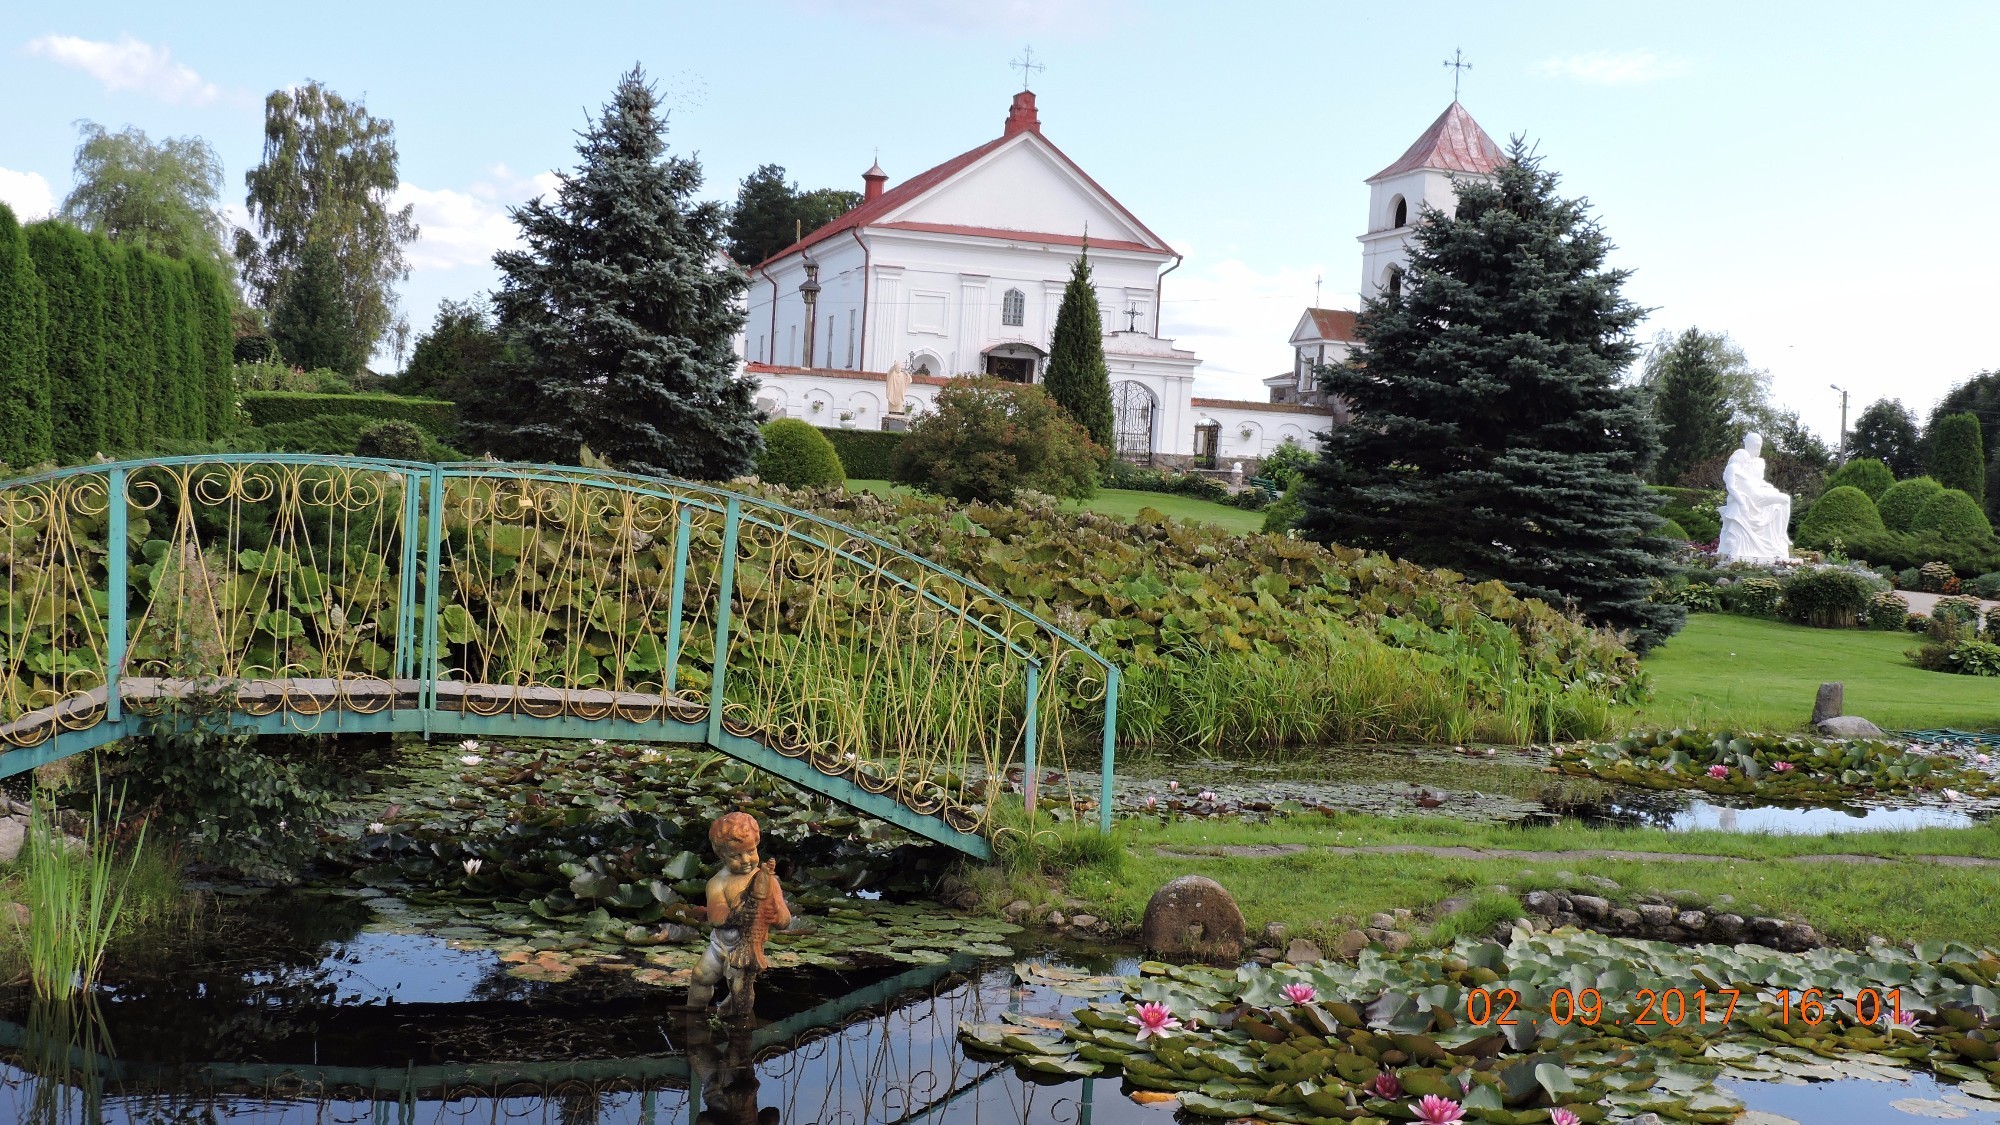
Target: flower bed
[(1772, 767), (1423, 1036)]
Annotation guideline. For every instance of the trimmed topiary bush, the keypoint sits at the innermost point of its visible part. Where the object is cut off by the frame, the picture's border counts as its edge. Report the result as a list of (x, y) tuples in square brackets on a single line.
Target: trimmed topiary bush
[(797, 455), (1843, 513), (1899, 506), (1672, 530), (1957, 461), (1828, 598), (396, 441), (1955, 517), (865, 454), (1865, 473)]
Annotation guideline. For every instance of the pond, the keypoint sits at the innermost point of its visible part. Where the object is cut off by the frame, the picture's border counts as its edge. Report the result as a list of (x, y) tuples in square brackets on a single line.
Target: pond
[(300, 1008)]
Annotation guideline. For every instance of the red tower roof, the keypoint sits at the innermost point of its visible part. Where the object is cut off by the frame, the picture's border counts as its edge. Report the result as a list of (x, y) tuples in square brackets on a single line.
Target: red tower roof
[(1453, 143)]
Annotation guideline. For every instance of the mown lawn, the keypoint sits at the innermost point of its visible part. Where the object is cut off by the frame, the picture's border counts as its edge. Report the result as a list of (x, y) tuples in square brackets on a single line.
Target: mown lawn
[(1126, 504), (1752, 673)]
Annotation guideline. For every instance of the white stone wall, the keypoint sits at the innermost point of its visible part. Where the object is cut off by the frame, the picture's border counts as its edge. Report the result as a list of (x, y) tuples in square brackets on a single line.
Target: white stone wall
[(1251, 431)]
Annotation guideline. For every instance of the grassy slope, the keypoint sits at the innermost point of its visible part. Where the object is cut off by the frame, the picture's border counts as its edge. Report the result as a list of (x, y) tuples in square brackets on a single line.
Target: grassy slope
[(1125, 503), (1747, 672), (1323, 892)]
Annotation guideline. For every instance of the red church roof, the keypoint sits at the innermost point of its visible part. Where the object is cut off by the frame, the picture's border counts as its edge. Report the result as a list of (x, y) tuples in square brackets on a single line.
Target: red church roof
[(1453, 143), (1332, 324), (1021, 118)]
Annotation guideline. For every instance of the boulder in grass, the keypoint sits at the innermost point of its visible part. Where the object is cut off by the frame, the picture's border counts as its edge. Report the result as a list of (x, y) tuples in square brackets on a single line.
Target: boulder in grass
[(1193, 917), (1849, 726)]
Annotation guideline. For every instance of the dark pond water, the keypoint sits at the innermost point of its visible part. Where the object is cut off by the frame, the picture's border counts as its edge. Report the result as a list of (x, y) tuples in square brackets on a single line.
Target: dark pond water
[(291, 1012)]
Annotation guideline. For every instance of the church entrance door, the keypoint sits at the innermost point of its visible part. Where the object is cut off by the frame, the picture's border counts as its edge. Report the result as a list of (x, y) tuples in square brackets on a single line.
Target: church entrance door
[(1014, 369), (1207, 440), (1132, 407)]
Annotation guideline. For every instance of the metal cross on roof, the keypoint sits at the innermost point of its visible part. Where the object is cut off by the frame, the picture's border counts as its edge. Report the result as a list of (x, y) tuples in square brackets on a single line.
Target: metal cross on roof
[(1027, 65), (1459, 66), (1131, 318)]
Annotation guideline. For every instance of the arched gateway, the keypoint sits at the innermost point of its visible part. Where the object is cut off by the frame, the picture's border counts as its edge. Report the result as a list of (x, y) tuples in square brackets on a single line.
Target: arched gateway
[(329, 595)]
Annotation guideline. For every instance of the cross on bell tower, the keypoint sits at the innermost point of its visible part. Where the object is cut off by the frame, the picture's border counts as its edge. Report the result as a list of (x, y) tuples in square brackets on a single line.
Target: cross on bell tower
[(1027, 65), (1458, 67)]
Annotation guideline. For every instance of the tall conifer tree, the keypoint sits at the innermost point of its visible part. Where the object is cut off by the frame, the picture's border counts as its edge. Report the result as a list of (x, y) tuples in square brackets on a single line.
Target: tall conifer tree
[(625, 312), (1492, 434), (1957, 457), (1886, 432), (72, 273), (24, 375), (1077, 378), (1691, 406)]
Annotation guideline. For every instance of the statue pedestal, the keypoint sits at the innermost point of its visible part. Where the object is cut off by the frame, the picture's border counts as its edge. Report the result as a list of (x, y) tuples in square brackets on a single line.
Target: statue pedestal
[(895, 423)]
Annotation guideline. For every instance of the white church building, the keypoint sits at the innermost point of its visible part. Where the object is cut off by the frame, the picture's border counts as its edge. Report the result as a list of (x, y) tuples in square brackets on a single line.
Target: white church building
[(961, 269)]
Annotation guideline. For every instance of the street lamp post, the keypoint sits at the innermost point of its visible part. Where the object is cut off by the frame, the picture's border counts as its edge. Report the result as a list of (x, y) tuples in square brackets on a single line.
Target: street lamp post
[(1843, 423)]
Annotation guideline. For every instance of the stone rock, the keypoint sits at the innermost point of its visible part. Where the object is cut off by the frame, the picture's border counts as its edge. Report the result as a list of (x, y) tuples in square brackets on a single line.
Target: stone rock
[(1566, 918), (1017, 910), (1451, 906), (1382, 921), (1767, 927), (1083, 921), (1799, 937), (1601, 883), (1693, 920), (1403, 914), (1541, 902), (1567, 878), (13, 835), (1274, 932), (1626, 919), (1395, 941), (1829, 703), (1350, 943), (1056, 918), (1377, 933), (1193, 916), (1591, 907), (1848, 726), (1302, 952), (1723, 899), (1726, 927), (1268, 954), (1655, 914)]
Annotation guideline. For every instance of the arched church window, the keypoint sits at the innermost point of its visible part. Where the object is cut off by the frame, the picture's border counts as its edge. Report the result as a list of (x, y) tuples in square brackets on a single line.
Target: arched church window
[(1402, 212), (1014, 308), (1395, 281)]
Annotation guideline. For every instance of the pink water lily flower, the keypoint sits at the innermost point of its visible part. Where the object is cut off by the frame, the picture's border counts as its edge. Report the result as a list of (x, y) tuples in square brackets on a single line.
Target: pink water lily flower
[(1154, 1019), (1208, 795), (1563, 1117), (1152, 802), (1299, 993), (1781, 767), (1386, 1086), (1718, 771), (1173, 785), (1982, 759), (1433, 1110)]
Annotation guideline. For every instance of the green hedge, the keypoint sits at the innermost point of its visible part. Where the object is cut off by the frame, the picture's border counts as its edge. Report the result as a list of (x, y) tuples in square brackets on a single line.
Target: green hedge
[(106, 348), (798, 455), (865, 454), (435, 417)]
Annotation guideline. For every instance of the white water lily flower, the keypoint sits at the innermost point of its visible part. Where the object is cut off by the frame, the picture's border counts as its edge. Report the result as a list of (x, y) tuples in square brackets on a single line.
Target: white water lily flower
[(378, 829), (472, 866), (1953, 795), (651, 756), (472, 759), (469, 744), (597, 742)]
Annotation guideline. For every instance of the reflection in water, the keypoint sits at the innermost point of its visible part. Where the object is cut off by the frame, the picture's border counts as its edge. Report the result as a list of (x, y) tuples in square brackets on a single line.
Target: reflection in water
[(887, 1053)]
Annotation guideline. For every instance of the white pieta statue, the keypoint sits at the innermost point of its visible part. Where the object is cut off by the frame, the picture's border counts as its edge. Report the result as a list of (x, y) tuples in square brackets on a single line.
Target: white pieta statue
[(1757, 514)]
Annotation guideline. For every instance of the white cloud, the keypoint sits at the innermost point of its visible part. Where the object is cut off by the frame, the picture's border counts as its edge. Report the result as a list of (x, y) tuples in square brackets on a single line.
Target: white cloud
[(1237, 319), (27, 193), (129, 65), (464, 228), (1614, 68)]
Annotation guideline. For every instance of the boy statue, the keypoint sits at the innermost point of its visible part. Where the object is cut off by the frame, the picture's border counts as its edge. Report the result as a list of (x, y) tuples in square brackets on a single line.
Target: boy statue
[(744, 903)]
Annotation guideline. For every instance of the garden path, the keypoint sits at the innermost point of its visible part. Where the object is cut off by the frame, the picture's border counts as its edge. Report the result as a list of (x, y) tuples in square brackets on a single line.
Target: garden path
[(1920, 602), (1256, 851)]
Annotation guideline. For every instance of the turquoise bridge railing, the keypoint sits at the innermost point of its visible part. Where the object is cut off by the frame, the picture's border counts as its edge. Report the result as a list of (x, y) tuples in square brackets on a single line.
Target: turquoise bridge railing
[(330, 595)]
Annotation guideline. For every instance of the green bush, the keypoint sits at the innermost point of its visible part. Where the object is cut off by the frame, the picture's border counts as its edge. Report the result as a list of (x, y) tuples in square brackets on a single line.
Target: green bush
[(797, 455), (1284, 512), (1829, 597), (1960, 611), (328, 434), (1672, 530), (1753, 597), (1904, 499), (1955, 517), (1972, 657), (1283, 463), (986, 439), (329, 382), (1249, 499), (1695, 509), (1908, 551), (1865, 473), (865, 454), (395, 441), (1888, 611), (1985, 586), (1138, 478), (1993, 622), (1698, 597), (1957, 460), (1842, 514), (435, 417)]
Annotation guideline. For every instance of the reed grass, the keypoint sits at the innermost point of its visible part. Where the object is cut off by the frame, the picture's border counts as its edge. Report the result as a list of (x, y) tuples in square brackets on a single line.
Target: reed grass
[(76, 898)]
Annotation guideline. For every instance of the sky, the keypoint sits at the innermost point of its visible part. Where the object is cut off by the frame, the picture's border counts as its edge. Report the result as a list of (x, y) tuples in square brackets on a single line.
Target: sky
[(1805, 178)]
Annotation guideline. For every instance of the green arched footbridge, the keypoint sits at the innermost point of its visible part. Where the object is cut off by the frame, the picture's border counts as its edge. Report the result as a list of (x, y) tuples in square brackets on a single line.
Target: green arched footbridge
[(331, 595)]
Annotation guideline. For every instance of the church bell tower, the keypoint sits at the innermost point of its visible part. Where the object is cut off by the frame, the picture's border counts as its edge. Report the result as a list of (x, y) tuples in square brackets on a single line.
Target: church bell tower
[(1453, 148)]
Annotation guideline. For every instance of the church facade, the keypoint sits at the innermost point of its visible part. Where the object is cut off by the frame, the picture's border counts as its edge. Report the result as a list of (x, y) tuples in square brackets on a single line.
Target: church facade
[(961, 269)]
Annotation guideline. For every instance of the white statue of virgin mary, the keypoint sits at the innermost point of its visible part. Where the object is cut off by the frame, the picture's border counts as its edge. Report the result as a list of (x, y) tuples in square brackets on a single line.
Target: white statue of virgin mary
[(1757, 515)]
